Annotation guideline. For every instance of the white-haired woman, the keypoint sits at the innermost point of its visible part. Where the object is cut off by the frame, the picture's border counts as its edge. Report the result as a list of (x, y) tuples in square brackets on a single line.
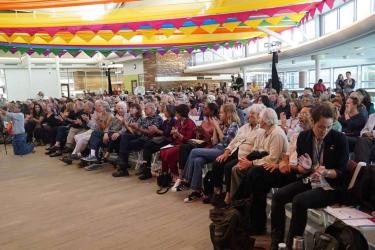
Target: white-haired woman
[(239, 147)]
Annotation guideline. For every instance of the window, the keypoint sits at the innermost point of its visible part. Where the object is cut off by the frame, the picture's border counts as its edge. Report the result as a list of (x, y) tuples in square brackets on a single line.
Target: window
[(261, 43), (310, 29), (228, 53), (252, 48), (292, 80), (330, 22), (368, 76), (199, 58), (287, 34), (208, 56), (297, 36), (353, 70), (346, 15), (363, 9), (239, 52)]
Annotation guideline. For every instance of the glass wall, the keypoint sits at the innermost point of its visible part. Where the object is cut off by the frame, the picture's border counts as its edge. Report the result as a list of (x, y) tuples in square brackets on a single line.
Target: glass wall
[(330, 22), (346, 15), (368, 76), (2, 83)]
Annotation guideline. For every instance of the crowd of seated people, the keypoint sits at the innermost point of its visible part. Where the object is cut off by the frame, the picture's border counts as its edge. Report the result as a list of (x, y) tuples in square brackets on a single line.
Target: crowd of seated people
[(306, 139)]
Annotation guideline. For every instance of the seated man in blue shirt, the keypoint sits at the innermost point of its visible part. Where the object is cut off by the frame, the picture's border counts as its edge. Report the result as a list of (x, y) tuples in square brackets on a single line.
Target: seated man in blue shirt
[(20, 147)]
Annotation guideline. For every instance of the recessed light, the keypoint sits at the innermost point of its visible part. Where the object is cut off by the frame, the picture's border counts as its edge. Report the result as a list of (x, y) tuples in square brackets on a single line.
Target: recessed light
[(360, 54), (358, 48)]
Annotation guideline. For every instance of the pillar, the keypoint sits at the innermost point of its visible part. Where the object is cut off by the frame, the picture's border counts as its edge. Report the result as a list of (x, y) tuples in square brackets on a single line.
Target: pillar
[(317, 59), (303, 79)]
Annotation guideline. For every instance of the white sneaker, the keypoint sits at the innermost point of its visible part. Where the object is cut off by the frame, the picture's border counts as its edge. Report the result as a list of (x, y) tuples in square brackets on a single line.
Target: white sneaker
[(175, 186)]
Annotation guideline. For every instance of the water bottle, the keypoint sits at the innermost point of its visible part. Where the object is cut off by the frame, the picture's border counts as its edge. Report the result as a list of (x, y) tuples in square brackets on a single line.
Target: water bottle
[(281, 246), (298, 243)]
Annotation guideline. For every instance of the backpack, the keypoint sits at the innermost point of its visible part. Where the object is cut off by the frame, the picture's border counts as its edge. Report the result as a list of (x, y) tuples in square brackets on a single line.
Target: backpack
[(228, 228), (323, 241), (348, 237)]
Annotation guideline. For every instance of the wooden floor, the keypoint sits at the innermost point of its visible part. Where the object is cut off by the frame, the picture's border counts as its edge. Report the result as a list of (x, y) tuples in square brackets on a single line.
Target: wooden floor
[(47, 205)]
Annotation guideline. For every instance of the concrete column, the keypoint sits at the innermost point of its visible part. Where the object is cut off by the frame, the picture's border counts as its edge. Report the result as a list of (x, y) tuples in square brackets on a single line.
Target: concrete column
[(317, 59), (243, 69), (303, 79)]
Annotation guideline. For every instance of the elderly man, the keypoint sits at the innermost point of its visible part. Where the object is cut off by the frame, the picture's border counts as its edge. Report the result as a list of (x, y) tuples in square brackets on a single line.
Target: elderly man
[(273, 140), (240, 146), (147, 128)]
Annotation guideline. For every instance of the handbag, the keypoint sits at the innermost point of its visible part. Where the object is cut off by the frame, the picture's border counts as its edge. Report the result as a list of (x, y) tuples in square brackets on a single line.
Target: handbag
[(158, 139), (164, 181), (197, 143)]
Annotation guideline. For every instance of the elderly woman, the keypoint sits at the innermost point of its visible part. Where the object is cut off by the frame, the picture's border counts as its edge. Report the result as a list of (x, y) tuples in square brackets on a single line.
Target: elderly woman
[(223, 134), (183, 131), (239, 147), (291, 125)]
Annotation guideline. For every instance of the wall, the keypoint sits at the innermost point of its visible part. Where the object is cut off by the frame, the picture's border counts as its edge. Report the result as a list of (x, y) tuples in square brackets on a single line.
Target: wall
[(128, 82), (20, 85)]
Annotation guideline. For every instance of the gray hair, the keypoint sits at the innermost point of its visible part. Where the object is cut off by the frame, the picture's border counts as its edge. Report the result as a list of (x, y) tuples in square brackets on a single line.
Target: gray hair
[(106, 106), (269, 116), (257, 108), (151, 106), (123, 105)]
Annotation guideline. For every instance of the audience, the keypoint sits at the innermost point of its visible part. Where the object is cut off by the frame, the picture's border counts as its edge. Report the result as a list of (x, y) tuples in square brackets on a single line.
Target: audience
[(305, 153)]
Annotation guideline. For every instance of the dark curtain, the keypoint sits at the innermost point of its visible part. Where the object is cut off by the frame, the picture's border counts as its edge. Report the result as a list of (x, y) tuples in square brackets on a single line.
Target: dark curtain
[(110, 92), (276, 84)]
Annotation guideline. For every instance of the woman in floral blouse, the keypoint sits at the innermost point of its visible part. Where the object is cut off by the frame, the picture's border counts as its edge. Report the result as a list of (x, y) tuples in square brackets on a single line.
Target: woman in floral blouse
[(223, 134)]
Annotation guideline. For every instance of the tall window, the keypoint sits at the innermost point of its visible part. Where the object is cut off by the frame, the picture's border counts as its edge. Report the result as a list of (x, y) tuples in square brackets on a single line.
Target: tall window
[(292, 80), (368, 76), (330, 22), (363, 9), (353, 70), (310, 29), (2, 82), (346, 15)]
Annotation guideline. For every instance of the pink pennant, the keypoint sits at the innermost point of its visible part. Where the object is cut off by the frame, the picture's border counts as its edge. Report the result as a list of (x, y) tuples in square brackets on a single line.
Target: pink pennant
[(242, 16), (189, 50), (312, 12), (320, 7), (30, 52), (177, 23), (270, 12), (61, 53), (120, 53), (330, 3), (46, 52), (162, 52), (13, 50)]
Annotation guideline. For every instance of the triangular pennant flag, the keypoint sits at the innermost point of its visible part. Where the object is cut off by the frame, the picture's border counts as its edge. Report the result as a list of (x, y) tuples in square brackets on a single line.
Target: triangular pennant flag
[(312, 12), (320, 7), (330, 3), (231, 25), (148, 33), (21, 38), (105, 53), (13, 50), (120, 53), (22, 50), (188, 30), (275, 20), (39, 51), (203, 49), (189, 50), (162, 52), (90, 53), (46, 52), (4, 38), (210, 28), (86, 35), (106, 34), (66, 36), (253, 23), (46, 37), (209, 46), (296, 17), (5, 48), (55, 51), (62, 53), (216, 47), (73, 52), (176, 51), (168, 31), (30, 52), (244, 42), (126, 34)]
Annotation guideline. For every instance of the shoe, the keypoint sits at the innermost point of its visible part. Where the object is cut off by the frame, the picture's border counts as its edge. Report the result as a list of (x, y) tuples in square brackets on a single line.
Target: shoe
[(50, 151), (141, 170), (94, 166), (67, 150), (217, 200), (120, 173), (146, 175), (67, 160), (57, 153), (193, 197), (90, 158), (74, 157), (176, 185)]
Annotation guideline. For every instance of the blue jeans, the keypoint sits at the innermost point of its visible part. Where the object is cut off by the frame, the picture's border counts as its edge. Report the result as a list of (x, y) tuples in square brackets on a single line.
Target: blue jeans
[(194, 165), (20, 147)]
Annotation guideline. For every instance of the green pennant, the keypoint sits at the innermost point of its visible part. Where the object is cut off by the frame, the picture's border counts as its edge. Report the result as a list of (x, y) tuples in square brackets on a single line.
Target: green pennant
[(39, 51), (72, 52), (231, 43), (5, 48), (210, 45), (90, 53), (22, 50), (55, 51), (244, 42), (105, 53)]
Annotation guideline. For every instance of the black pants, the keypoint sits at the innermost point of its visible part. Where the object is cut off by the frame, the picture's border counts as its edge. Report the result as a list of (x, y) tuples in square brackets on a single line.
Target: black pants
[(114, 145), (352, 141), (257, 184), (219, 169), (29, 129), (149, 148), (130, 142), (364, 150), (49, 135), (302, 197)]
